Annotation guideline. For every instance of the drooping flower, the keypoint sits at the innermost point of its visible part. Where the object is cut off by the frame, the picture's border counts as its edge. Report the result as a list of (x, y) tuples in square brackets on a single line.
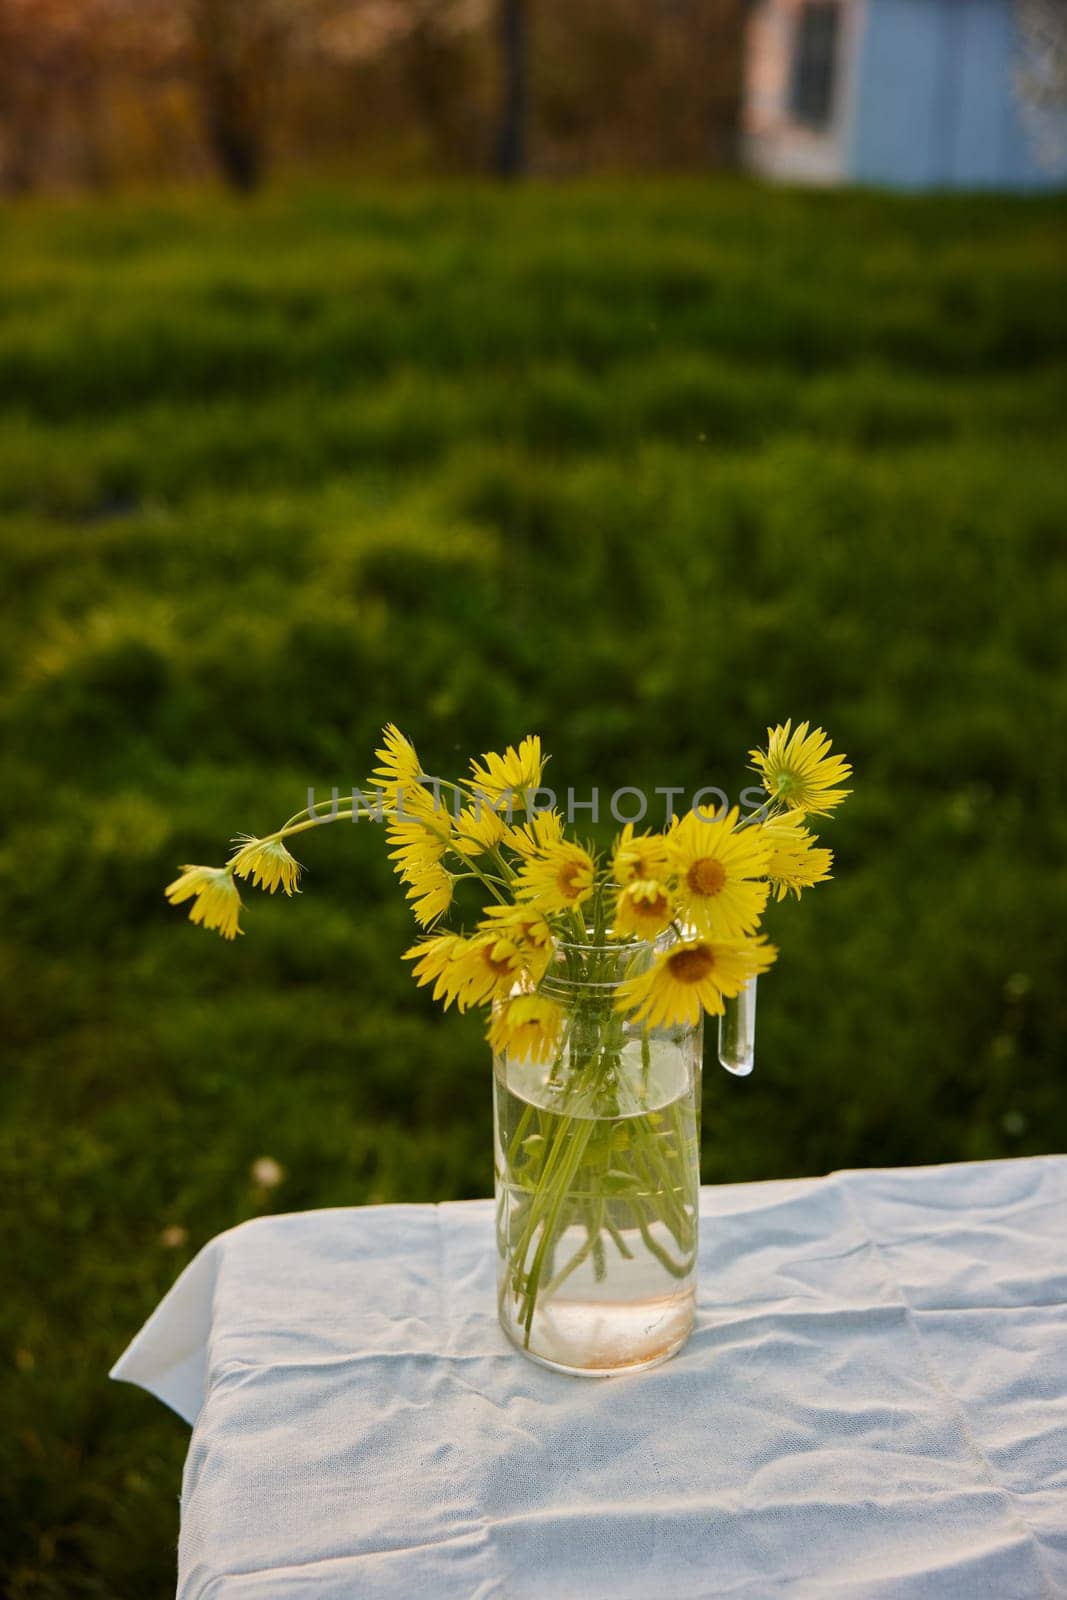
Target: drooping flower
[(717, 867), (797, 861), (527, 930), (216, 899), (478, 829), (639, 856), (558, 878), (438, 961), (418, 846), (430, 895), (399, 768), (644, 908), (490, 968), (526, 1027), (542, 829), (799, 772), (511, 774), (694, 974), (266, 862)]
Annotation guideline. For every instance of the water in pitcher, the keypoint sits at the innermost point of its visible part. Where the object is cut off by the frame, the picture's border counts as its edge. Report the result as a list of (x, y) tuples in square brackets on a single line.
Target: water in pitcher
[(597, 1194)]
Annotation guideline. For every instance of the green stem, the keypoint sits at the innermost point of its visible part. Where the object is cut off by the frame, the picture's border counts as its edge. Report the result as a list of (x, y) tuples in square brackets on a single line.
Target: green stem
[(620, 1243), (668, 1210), (570, 1167), (677, 1269), (517, 1136), (583, 1252)]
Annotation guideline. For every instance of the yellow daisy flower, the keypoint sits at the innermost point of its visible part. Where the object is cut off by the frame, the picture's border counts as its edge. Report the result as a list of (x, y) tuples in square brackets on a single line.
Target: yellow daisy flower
[(692, 975), (417, 846), (511, 773), (640, 856), (529, 837), (557, 879), (715, 864), (527, 930), (414, 803), (527, 1027), (430, 895), (267, 862), (478, 829), (490, 967), (398, 776), (798, 771), (438, 961), (400, 764), (216, 900), (644, 908), (796, 861)]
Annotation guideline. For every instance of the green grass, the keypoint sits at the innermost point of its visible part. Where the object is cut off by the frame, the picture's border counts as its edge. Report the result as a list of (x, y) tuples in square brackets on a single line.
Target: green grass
[(639, 468)]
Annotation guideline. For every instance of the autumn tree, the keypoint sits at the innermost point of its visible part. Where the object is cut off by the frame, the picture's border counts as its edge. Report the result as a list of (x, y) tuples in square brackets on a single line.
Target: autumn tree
[(149, 86), (52, 54)]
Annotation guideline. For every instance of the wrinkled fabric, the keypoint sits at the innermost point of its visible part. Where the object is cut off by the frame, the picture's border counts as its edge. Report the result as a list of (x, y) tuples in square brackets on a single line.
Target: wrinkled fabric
[(873, 1404)]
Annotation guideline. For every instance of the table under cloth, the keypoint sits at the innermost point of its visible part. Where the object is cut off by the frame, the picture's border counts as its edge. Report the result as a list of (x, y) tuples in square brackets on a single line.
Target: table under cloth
[(873, 1403)]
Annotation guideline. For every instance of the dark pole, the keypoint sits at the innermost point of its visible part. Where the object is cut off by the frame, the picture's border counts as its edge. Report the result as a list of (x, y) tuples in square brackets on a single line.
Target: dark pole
[(510, 154)]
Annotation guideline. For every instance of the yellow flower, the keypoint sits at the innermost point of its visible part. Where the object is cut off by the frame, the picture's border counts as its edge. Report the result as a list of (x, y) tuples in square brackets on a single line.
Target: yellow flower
[(397, 778), (527, 930), (529, 837), (796, 860), (417, 846), (558, 878), (527, 1027), (478, 829), (799, 772), (430, 895), (267, 862), (641, 856), (510, 774), (644, 908), (438, 961), (490, 967), (691, 975), (399, 762), (715, 863), (217, 903)]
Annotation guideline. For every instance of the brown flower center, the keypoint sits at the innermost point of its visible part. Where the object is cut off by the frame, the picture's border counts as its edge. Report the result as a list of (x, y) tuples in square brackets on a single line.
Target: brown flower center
[(567, 880), (692, 964), (502, 962), (706, 876), (652, 906)]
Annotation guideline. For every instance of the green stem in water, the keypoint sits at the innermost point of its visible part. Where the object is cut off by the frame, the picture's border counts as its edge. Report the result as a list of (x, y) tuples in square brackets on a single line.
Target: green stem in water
[(620, 1243), (677, 1269), (570, 1167)]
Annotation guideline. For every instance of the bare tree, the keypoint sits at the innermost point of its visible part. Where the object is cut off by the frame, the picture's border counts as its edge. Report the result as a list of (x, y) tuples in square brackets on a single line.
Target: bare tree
[(236, 55), (512, 23)]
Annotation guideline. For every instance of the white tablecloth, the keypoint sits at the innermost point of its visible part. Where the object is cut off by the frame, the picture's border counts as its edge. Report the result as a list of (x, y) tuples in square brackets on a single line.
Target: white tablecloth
[(873, 1403)]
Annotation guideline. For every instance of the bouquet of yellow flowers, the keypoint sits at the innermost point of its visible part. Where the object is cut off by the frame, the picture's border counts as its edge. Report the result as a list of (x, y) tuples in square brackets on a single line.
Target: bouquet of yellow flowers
[(708, 878), (596, 970)]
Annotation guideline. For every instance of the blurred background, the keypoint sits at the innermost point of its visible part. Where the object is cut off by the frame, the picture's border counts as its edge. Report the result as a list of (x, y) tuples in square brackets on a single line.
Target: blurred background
[(309, 422)]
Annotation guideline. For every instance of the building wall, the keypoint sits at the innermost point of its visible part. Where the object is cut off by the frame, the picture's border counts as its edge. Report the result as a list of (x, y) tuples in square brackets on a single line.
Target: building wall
[(935, 98), (925, 96)]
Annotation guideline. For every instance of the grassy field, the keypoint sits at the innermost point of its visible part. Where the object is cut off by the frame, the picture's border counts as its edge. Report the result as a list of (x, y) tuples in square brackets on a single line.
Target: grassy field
[(640, 469)]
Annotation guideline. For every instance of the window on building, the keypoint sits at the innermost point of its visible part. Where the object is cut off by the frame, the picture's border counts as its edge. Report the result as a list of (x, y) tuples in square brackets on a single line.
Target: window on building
[(811, 88)]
